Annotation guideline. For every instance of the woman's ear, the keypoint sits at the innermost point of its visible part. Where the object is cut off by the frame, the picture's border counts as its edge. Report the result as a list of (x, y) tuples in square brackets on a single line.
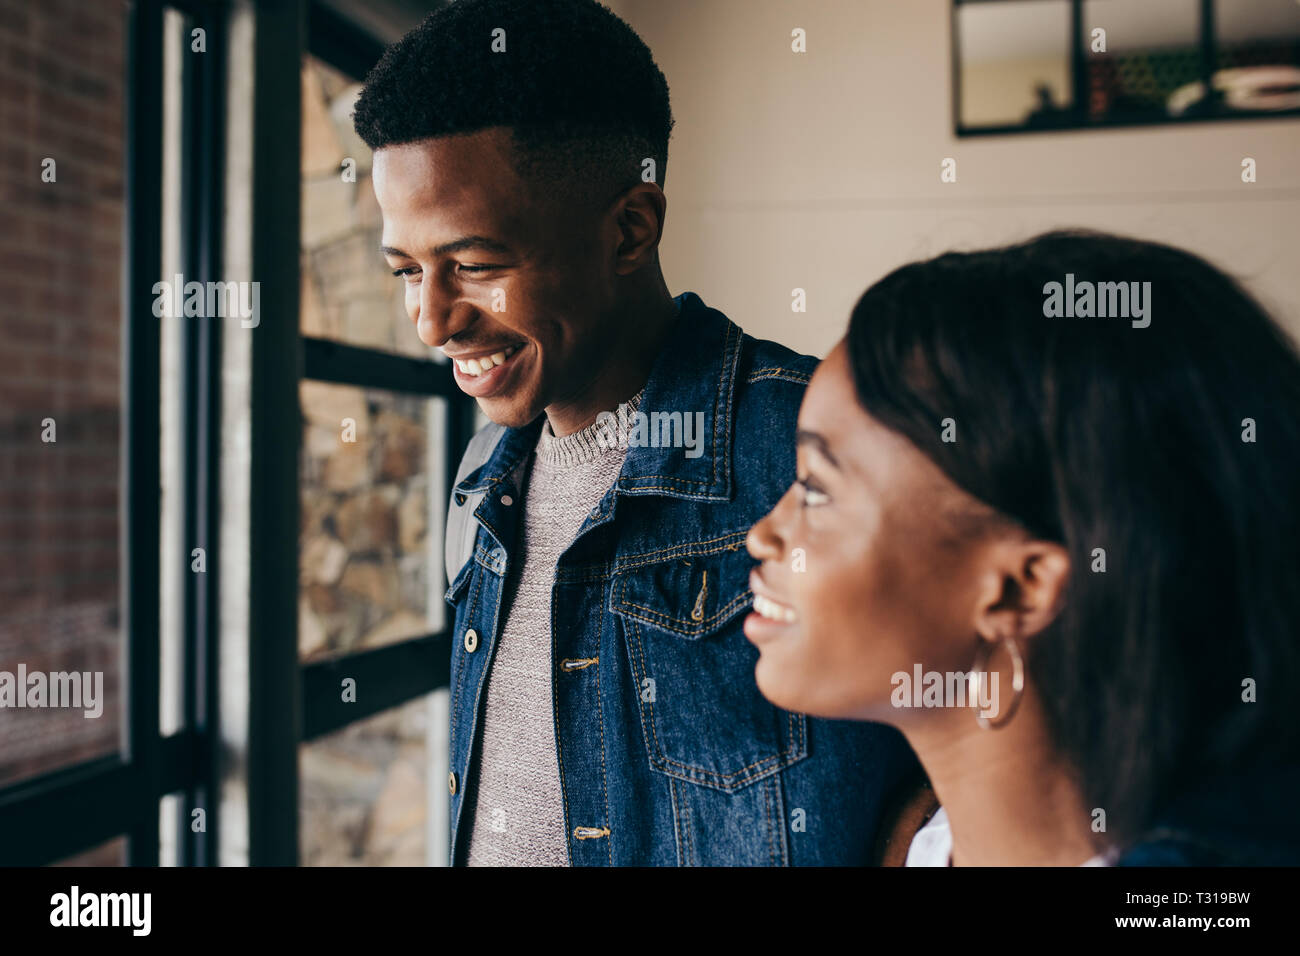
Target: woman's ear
[(1023, 588)]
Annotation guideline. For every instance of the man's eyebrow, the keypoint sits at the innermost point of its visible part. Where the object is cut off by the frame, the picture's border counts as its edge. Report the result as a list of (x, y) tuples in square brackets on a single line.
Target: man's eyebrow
[(482, 243), (804, 437)]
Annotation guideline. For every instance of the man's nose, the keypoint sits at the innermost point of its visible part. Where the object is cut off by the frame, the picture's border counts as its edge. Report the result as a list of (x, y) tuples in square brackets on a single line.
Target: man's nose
[(440, 315)]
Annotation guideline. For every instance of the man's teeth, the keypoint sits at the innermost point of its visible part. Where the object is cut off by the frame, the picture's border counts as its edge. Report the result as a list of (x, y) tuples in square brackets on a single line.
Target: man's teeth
[(481, 365), (771, 610)]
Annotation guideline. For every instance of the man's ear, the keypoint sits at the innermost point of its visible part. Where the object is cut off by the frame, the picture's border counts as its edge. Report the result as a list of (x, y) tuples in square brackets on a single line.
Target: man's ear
[(1023, 588), (639, 218)]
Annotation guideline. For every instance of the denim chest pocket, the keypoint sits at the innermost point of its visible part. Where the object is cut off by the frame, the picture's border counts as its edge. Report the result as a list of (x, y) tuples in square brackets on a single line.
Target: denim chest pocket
[(702, 716)]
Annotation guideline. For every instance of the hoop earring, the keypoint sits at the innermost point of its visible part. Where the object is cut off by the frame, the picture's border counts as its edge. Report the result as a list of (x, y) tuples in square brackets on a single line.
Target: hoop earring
[(982, 674)]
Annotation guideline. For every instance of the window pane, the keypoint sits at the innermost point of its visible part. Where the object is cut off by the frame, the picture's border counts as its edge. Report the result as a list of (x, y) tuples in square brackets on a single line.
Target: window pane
[(169, 815), (60, 288), (1152, 59), (1260, 42), (370, 565), (348, 293), (1015, 63), (365, 791), (171, 403)]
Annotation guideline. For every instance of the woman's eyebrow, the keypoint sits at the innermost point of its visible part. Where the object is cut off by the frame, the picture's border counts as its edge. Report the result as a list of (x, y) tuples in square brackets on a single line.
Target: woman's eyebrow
[(803, 436)]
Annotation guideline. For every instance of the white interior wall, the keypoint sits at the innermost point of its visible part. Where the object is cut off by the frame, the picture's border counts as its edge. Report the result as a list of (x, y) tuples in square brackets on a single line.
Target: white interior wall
[(821, 170)]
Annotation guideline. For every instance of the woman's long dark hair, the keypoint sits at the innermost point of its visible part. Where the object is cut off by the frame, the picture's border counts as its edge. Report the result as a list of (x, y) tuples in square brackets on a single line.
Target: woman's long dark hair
[(1097, 434)]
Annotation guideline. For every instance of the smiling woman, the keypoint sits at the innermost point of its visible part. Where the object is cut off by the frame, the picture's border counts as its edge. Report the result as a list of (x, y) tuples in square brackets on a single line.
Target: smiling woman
[(1128, 721)]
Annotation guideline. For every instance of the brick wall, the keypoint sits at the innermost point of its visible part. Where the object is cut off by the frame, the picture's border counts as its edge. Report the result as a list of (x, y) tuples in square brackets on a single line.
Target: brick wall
[(61, 96)]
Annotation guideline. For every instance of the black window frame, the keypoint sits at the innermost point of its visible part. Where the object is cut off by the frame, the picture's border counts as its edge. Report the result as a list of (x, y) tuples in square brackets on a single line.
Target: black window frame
[(44, 819)]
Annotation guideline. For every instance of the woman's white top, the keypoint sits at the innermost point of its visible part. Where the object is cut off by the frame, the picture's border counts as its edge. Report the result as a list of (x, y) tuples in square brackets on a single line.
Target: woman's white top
[(932, 845)]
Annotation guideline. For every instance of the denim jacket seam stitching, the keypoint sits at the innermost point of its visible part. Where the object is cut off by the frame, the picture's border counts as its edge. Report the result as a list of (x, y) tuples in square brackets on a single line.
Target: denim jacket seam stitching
[(604, 776), (469, 751), (726, 388), (464, 663), (469, 618), (727, 777), (659, 619), (491, 529), (644, 558), (779, 834), (647, 732), (691, 856), (676, 821), (687, 482), (559, 753), (732, 781), (478, 703), (717, 401), (654, 731), (487, 560), (767, 816), (793, 376)]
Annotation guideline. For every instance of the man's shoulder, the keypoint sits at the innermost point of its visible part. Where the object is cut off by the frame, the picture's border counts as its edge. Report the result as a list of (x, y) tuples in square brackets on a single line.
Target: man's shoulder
[(746, 360), (770, 383), (765, 361), (769, 389)]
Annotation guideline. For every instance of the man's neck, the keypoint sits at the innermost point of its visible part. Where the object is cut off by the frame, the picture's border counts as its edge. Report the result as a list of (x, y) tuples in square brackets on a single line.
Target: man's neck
[(625, 370)]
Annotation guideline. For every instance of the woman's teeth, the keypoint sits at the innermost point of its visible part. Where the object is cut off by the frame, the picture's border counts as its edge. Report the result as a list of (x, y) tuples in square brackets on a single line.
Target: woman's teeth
[(479, 366), (771, 610)]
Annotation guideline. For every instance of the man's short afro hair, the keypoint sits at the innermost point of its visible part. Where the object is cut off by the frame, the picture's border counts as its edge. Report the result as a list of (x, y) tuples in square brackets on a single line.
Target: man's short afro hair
[(576, 85)]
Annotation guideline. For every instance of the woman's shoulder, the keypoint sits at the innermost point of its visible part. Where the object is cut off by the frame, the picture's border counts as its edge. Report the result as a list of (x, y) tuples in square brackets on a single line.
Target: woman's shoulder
[(1163, 847), (1245, 819)]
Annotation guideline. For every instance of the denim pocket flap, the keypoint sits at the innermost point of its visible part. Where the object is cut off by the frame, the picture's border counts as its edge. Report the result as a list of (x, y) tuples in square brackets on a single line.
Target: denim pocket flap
[(691, 596)]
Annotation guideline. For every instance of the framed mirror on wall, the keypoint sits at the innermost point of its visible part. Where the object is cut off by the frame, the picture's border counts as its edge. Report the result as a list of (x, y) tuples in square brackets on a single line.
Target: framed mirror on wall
[(1028, 65)]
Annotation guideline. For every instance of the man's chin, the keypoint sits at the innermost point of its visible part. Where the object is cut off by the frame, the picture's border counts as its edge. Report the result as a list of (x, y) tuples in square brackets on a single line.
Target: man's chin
[(511, 414)]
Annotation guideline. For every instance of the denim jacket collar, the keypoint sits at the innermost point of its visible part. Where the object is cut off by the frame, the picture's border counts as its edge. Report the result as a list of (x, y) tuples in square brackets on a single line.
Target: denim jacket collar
[(695, 372)]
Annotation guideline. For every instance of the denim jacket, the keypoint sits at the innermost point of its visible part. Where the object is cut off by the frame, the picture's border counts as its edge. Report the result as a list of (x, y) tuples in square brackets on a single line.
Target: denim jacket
[(668, 754)]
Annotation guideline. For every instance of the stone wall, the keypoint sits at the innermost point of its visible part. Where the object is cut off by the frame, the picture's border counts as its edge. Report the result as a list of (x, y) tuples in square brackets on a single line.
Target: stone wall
[(367, 561), (364, 556), (364, 567)]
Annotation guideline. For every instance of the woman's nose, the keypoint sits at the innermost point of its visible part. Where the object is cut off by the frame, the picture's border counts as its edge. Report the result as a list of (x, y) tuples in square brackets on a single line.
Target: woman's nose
[(762, 542)]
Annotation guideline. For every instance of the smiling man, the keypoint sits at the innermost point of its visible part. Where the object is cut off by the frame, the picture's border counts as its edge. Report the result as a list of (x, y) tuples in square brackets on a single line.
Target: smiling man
[(604, 709)]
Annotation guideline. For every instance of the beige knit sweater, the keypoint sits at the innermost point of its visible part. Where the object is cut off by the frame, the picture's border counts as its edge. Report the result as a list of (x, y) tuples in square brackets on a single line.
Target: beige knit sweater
[(518, 815)]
